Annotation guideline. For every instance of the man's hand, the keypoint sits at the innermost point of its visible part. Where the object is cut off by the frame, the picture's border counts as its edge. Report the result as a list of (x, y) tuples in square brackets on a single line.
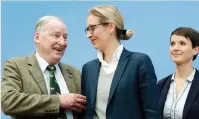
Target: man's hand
[(73, 102)]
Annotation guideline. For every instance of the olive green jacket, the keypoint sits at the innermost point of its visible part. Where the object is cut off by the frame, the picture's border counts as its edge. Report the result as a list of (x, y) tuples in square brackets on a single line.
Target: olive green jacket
[(24, 94)]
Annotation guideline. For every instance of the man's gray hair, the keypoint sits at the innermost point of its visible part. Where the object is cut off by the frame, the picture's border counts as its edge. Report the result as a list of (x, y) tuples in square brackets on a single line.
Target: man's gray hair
[(43, 20)]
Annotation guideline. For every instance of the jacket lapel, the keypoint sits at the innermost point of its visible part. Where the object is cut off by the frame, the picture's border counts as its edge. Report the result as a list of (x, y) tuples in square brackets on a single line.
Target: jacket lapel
[(94, 76), (191, 95), (119, 71), (68, 77), (164, 92), (37, 73)]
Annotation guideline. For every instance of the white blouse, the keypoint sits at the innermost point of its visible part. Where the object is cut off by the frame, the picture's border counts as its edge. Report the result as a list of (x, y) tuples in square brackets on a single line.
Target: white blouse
[(174, 105)]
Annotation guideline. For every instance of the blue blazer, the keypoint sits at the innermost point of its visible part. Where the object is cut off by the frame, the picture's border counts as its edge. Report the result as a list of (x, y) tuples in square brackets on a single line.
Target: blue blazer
[(191, 108), (133, 92)]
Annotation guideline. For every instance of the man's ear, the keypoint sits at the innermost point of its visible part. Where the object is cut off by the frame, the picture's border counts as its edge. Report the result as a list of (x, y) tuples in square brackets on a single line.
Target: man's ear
[(36, 37)]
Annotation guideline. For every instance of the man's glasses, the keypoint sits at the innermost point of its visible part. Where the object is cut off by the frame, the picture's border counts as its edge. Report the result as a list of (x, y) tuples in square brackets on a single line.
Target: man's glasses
[(91, 28)]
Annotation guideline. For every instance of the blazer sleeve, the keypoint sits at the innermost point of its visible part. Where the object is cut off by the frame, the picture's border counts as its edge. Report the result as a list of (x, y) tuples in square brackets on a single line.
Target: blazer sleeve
[(14, 100), (148, 91), (83, 92)]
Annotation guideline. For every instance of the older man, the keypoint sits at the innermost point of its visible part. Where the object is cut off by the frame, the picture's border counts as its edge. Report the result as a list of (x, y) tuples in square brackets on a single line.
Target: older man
[(39, 86)]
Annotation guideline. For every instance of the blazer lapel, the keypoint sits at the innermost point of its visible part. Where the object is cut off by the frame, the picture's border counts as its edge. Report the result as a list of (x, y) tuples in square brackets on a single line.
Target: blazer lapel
[(119, 71), (164, 92), (94, 76), (191, 95), (37, 73), (68, 77)]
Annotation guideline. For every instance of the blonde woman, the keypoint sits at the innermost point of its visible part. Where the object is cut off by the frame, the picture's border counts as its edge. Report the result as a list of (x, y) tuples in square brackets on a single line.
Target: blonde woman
[(119, 84), (180, 91)]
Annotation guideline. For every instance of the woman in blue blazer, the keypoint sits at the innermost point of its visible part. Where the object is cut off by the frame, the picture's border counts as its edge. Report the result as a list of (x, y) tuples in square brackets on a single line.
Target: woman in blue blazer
[(179, 92), (119, 84)]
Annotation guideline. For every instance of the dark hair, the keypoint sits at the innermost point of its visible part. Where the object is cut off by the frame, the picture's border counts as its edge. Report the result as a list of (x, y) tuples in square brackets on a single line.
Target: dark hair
[(188, 33)]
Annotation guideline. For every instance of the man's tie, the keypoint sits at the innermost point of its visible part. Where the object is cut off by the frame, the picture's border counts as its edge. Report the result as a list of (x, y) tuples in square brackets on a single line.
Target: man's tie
[(54, 87)]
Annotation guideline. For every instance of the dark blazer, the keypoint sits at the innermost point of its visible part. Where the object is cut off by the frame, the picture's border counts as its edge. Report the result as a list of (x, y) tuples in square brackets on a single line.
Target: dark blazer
[(191, 108), (133, 92)]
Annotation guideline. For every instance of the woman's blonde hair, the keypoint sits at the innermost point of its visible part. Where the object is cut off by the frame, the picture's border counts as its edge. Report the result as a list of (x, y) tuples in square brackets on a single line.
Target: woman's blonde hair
[(109, 13)]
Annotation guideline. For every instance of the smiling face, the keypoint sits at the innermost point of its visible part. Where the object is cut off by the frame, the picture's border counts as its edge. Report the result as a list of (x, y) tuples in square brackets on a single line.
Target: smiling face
[(181, 50), (98, 33), (51, 41)]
